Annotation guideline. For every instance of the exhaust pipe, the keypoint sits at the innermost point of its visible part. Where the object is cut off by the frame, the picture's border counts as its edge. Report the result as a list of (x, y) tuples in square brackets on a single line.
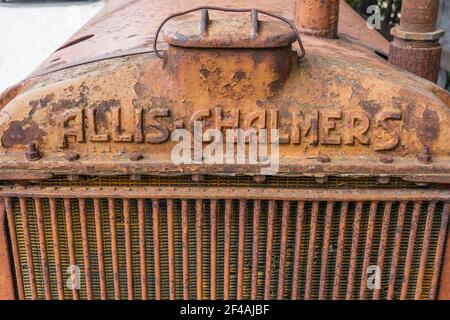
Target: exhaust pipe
[(416, 46), (317, 18)]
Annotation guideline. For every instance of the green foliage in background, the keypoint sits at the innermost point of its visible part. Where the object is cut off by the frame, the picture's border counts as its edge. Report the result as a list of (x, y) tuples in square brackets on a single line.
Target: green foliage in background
[(353, 3)]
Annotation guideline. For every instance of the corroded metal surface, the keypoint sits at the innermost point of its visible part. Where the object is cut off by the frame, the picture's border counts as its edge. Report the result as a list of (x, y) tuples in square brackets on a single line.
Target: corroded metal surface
[(342, 111), (419, 15), (7, 291), (229, 33), (360, 109), (416, 45), (444, 293), (127, 27), (314, 215), (318, 18)]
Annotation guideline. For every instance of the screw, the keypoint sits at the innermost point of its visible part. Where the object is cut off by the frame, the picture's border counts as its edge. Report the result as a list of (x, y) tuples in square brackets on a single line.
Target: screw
[(425, 157), (323, 158), (386, 159), (32, 153), (135, 156), (71, 156)]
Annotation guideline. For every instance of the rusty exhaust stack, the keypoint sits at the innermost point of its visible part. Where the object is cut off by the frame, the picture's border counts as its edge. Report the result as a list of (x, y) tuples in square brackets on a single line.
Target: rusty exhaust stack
[(317, 18), (416, 45)]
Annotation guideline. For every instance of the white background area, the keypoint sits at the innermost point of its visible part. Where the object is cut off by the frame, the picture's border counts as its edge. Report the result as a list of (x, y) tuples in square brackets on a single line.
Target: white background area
[(31, 31)]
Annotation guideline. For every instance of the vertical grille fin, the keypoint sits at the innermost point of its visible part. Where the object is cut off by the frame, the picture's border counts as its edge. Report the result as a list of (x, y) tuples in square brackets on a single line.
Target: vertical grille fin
[(238, 249)]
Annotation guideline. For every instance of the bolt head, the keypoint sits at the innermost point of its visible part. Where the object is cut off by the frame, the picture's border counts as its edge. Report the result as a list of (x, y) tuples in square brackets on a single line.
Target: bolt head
[(72, 156), (424, 158), (32, 153), (386, 159), (135, 156), (323, 158)]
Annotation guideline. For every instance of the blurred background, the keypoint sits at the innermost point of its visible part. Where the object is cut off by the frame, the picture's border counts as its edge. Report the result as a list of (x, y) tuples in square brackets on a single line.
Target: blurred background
[(31, 30)]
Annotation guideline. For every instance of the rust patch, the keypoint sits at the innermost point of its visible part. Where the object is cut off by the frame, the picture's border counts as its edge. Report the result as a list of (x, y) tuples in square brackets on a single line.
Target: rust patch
[(239, 75), (205, 73), (102, 108), (429, 127), (9, 94), (22, 133), (371, 107)]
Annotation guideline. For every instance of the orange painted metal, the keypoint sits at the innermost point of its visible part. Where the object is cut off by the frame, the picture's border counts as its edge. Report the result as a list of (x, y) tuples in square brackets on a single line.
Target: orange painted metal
[(156, 250), (56, 249), (298, 248), (269, 248), (28, 248), (395, 255), (71, 245), (318, 18), (171, 249), (283, 250), (142, 252), (444, 293), (185, 231), (100, 251), (115, 259), (128, 246), (213, 252), (354, 250), (409, 254), (340, 250), (311, 250), (255, 252), (342, 112), (383, 243), (199, 247), (320, 241), (368, 248), (326, 250), (43, 248), (241, 248), (86, 255), (7, 290), (130, 35), (227, 245)]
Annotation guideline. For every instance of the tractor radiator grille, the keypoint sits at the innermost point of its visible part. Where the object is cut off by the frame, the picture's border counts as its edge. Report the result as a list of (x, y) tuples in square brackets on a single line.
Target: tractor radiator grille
[(236, 245)]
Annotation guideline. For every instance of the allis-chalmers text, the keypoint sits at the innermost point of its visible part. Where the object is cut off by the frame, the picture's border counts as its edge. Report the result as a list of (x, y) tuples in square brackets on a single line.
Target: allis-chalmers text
[(331, 127)]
